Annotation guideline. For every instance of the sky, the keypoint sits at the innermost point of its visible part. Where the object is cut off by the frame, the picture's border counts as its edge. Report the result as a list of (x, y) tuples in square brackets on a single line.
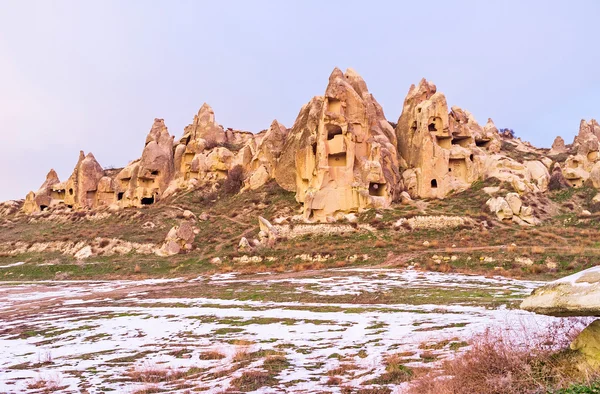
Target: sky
[(92, 75)]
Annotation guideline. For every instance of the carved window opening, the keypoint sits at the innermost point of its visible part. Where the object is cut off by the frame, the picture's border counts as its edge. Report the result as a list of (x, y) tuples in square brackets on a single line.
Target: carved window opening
[(377, 189), (155, 173), (147, 200), (332, 131), (444, 141), (482, 143), (70, 192), (334, 106), (337, 160), (434, 183), (120, 196), (461, 141)]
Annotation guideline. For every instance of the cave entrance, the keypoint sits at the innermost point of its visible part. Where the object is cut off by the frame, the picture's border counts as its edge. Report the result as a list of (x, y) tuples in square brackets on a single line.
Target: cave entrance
[(332, 131), (483, 143), (120, 196), (147, 200), (462, 141), (434, 184), (458, 168), (43, 207), (377, 189), (435, 124), (444, 141), (337, 160)]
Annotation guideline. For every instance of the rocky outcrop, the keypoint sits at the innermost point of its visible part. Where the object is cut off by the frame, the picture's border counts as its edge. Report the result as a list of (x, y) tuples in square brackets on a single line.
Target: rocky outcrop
[(340, 156), (586, 144), (575, 295), (178, 240), (558, 146), (441, 150), (265, 159), (345, 154), (511, 208), (144, 181)]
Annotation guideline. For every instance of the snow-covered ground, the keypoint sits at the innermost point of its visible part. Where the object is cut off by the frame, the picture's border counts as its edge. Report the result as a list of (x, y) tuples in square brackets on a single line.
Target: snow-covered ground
[(92, 336)]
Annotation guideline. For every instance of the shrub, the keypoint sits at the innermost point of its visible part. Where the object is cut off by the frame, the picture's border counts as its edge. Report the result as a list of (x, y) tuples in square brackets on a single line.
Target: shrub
[(513, 361), (252, 380), (507, 133), (234, 181)]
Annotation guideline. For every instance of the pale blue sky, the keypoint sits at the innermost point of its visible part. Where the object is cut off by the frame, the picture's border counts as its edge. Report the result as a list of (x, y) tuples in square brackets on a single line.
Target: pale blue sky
[(93, 75)]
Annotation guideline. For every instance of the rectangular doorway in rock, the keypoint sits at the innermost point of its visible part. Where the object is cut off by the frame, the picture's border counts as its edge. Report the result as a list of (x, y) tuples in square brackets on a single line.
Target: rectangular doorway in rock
[(120, 196), (444, 141), (458, 168), (90, 197), (462, 141), (337, 160), (434, 183), (376, 189), (334, 106), (106, 198)]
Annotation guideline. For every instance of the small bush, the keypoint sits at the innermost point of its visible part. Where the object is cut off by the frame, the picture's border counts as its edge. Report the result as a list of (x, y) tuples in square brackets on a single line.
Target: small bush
[(234, 181), (512, 362), (211, 355), (252, 381)]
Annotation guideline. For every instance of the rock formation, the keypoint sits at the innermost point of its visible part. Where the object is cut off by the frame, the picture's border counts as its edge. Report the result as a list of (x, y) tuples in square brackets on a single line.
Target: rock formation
[(178, 240), (511, 208), (558, 146), (144, 181), (441, 150), (575, 295), (345, 152), (340, 156)]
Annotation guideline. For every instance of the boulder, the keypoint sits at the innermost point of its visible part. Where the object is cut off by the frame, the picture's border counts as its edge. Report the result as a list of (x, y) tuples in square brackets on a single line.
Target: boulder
[(574, 295), (179, 238), (515, 203), (500, 207), (588, 344)]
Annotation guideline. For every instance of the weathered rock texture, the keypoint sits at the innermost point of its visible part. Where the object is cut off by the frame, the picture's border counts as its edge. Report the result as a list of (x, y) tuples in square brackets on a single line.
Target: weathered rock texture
[(575, 295), (440, 149), (340, 156), (345, 156), (144, 181)]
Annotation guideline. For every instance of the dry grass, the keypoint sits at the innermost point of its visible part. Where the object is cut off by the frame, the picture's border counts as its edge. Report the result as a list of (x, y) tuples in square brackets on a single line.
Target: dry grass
[(155, 374), (395, 371), (252, 380), (511, 362), (211, 355), (242, 353), (538, 250), (45, 385)]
